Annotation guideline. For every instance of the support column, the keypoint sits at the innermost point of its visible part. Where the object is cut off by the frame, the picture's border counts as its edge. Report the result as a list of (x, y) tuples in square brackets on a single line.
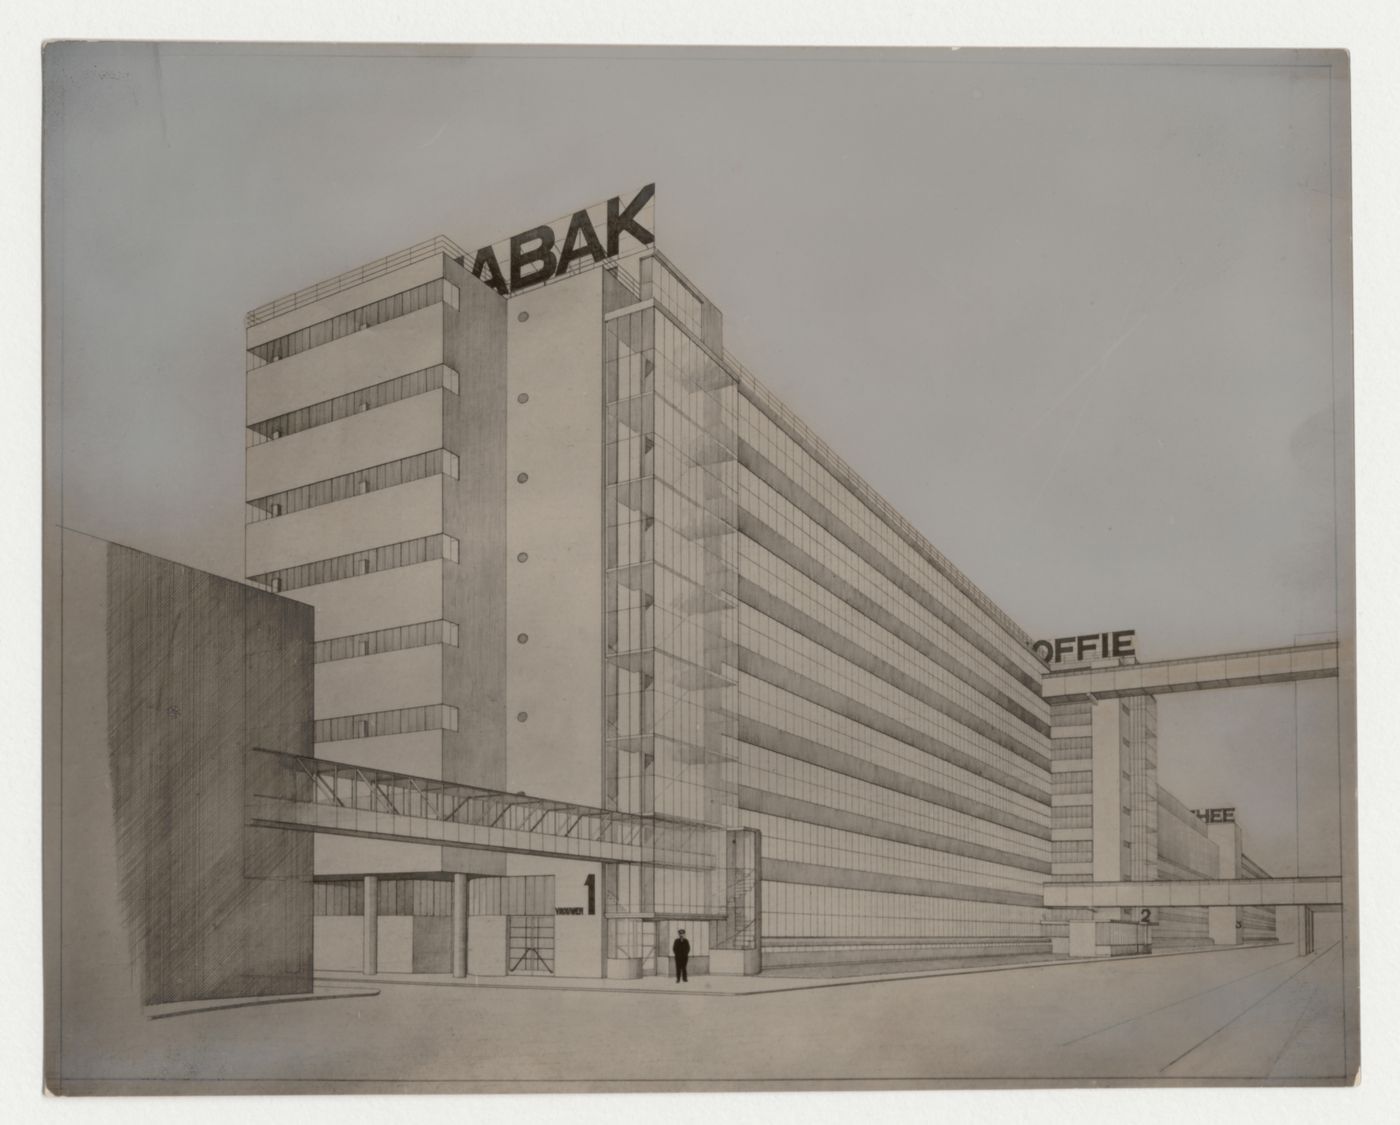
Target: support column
[(1229, 842), (1222, 919), (1107, 933), (371, 925), (737, 941), (1111, 794), (459, 925), (1082, 939)]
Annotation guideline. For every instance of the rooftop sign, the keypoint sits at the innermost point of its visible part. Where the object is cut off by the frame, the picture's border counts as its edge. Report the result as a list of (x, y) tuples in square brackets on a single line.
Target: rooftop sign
[(1216, 816), (581, 241), (1087, 646)]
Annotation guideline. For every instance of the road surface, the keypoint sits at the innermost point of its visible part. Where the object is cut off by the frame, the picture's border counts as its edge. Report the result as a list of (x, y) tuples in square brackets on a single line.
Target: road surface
[(1258, 1012)]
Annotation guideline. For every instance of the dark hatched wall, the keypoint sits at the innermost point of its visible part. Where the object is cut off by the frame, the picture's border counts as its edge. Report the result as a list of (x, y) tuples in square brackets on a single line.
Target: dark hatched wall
[(474, 513), (199, 669)]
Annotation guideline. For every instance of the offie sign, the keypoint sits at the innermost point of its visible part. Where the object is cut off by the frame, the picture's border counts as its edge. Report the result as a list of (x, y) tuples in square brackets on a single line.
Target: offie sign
[(591, 237), (1087, 646)]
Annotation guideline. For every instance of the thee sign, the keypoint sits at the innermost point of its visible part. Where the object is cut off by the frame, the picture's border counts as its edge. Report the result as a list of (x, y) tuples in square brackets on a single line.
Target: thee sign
[(1216, 816)]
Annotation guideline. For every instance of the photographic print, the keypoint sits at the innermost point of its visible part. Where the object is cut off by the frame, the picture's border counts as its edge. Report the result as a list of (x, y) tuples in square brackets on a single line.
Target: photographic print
[(578, 569)]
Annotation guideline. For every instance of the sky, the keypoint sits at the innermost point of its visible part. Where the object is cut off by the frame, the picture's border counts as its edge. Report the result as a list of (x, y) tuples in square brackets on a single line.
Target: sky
[(1072, 316)]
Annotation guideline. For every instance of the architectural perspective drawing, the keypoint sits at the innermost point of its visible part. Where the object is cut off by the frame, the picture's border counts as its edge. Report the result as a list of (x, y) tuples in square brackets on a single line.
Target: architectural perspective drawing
[(573, 691)]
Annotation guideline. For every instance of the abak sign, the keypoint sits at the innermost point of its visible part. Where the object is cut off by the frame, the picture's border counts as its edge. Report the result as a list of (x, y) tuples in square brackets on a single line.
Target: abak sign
[(592, 236)]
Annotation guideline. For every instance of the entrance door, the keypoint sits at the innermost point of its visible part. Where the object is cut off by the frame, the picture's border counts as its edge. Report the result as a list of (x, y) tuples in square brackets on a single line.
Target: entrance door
[(530, 945)]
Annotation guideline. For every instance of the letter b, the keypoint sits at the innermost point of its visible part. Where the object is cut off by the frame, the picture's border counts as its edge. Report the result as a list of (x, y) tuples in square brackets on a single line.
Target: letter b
[(542, 254)]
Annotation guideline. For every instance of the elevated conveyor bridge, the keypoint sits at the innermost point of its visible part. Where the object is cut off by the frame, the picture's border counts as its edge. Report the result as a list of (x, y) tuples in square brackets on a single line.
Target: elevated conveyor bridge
[(316, 795), (1197, 673)]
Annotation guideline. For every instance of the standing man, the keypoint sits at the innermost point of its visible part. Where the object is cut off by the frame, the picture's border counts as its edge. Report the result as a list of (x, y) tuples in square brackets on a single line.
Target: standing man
[(680, 950)]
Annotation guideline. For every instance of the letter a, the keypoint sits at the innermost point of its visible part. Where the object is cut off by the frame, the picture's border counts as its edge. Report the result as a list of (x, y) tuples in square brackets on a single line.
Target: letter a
[(486, 259), (580, 227)]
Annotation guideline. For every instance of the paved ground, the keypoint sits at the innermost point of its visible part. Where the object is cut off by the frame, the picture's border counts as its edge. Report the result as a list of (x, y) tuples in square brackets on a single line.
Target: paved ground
[(701, 983), (783, 980), (1245, 1013)]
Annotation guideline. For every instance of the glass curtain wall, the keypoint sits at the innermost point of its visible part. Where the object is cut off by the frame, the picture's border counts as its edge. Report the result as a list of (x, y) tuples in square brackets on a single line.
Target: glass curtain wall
[(671, 544)]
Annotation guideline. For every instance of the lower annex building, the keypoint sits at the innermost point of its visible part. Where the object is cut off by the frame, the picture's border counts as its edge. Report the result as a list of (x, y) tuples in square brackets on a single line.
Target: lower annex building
[(560, 543)]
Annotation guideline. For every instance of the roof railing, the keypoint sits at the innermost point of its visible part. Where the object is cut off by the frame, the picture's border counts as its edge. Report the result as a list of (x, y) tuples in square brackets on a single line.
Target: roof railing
[(377, 268)]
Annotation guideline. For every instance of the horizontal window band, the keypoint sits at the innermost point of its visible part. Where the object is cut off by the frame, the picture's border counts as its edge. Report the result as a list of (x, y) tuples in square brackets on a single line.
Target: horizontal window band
[(817, 875), (818, 513), (358, 879), (814, 753), (348, 323), (391, 556), (773, 673), (756, 597), (759, 396), (755, 529), (930, 941), (1179, 872), (439, 377), (421, 896), (374, 724), (346, 486), (394, 639), (775, 804)]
